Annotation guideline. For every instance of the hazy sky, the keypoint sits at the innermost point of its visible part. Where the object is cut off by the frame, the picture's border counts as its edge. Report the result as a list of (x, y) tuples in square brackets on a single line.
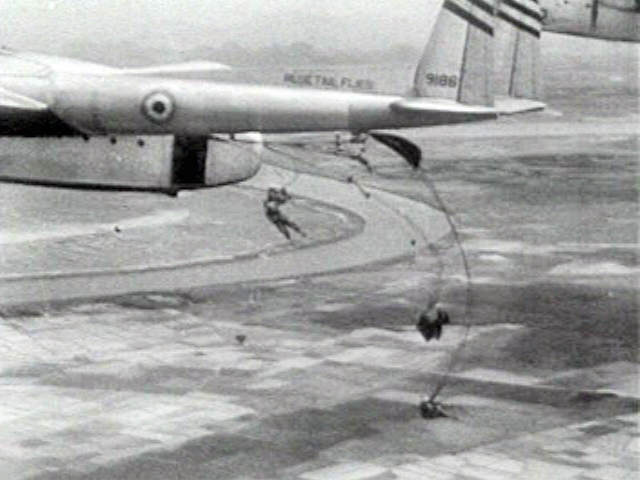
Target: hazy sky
[(47, 24), (50, 26)]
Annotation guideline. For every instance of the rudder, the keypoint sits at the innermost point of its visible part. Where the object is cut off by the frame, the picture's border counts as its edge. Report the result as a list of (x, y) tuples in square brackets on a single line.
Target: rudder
[(517, 37)]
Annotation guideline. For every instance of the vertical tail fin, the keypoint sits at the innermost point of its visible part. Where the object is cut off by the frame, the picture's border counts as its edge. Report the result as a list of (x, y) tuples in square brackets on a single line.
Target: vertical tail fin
[(517, 37), (458, 61), (480, 49)]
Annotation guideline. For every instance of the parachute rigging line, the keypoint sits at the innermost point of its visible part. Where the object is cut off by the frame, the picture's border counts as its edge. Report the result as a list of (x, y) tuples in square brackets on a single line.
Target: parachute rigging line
[(292, 161), (455, 356), (412, 153)]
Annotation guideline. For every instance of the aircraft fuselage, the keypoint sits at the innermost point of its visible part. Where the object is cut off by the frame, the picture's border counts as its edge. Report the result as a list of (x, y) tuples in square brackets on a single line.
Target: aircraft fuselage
[(111, 105), (606, 19)]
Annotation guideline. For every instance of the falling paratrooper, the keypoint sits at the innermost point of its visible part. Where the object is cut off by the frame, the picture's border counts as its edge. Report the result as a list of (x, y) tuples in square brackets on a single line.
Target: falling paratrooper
[(276, 198)]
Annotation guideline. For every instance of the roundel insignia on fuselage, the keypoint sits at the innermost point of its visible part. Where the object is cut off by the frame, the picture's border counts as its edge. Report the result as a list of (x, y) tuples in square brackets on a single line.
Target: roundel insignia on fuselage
[(158, 107)]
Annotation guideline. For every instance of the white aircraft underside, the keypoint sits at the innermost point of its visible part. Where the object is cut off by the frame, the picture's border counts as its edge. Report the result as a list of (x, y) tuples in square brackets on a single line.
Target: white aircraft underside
[(181, 108)]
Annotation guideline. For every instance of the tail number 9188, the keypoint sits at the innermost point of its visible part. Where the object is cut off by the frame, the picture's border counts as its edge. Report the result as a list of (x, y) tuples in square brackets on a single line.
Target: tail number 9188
[(442, 80)]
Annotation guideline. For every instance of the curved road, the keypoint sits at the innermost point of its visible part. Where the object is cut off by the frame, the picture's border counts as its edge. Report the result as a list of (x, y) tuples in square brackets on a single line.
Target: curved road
[(390, 227)]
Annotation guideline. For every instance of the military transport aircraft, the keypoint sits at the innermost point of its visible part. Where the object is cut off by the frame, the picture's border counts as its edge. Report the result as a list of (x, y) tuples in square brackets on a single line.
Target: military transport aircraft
[(606, 19), (77, 124)]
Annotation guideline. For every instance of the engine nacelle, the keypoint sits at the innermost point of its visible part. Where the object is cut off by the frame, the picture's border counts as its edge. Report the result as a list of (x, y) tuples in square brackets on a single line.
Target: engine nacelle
[(154, 163)]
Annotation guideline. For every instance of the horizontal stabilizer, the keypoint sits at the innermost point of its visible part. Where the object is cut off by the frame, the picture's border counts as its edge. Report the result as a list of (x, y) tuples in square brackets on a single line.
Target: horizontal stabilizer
[(432, 105), (512, 106), (179, 70), (13, 101)]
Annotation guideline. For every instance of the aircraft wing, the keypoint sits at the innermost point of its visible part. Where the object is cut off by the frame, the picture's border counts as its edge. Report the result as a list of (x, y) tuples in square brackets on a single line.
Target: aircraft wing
[(512, 106), (24, 116), (10, 101)]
